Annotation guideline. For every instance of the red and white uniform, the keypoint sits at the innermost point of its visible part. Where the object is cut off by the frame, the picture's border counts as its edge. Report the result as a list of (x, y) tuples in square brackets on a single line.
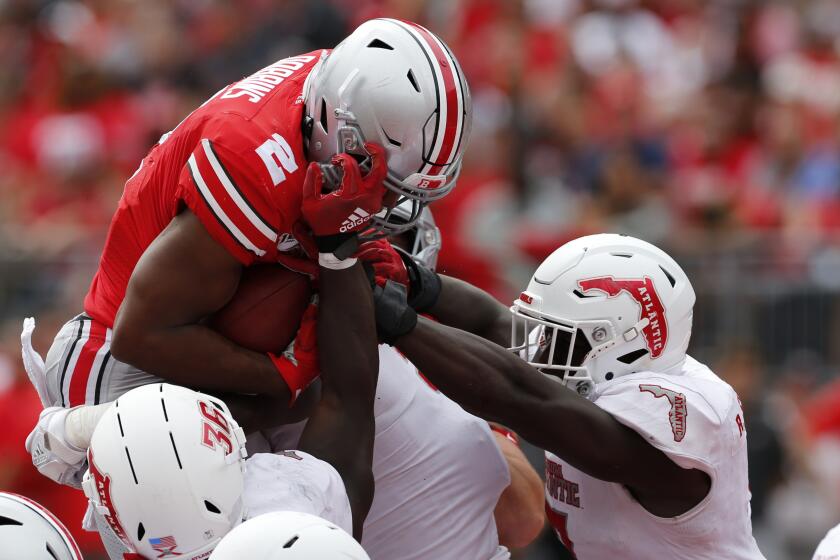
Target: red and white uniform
[(829, 548), (437, 469), (237, 163), (285, 481), (694, 418)]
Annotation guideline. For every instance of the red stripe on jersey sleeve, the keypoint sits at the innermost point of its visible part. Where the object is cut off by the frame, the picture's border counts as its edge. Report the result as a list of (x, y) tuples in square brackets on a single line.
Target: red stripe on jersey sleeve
[(234, 210), (188, 192)]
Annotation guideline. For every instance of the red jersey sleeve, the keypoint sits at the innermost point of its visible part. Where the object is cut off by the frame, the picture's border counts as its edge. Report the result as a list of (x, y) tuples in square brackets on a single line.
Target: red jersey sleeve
[(226, 184)]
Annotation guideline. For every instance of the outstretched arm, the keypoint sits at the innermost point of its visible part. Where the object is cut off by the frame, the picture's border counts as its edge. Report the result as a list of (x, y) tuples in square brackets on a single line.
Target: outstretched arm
[(497, 385), (451, 301), (466, 307)]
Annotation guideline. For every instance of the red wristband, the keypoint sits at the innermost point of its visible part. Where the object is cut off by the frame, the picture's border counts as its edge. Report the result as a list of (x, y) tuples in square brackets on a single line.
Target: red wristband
[(297, 376), (505, 432)]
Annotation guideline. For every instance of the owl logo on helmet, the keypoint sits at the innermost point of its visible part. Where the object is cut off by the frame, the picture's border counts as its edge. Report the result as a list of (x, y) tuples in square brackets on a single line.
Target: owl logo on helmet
[(397, 84)]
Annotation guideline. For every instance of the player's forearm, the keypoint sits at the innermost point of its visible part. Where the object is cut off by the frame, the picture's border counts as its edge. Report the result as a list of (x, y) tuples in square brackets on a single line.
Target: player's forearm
[(341, 430), (466, 307), (196, 356), (495, 384), (519, 512), (347, 346), (344, 439), (479, 375)]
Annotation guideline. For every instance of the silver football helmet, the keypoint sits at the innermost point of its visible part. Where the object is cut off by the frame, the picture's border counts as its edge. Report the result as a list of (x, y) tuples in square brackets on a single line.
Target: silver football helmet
[(395, 83)]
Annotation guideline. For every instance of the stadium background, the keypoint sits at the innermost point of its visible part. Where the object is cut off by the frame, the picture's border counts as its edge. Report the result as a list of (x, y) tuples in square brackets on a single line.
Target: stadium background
[(710, 128)]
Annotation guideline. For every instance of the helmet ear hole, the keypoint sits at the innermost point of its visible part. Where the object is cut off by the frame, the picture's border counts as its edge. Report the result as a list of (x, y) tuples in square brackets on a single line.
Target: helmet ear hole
[(380, 44), (323, 118), (141, 532), (669, 276), (631, 357), (413, 80), (211, 507)]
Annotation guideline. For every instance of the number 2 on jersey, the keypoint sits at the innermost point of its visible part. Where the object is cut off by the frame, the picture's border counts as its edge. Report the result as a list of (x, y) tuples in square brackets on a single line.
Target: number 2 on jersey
[(278, 158)]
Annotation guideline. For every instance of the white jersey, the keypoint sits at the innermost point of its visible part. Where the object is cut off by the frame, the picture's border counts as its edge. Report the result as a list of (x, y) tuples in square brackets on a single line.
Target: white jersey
[(438, 474), (694, 418), (437, 469), (295, 481), (829, 548)]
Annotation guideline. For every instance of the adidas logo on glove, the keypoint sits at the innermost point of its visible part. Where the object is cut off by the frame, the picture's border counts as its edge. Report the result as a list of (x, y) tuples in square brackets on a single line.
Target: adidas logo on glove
[(357, 218)]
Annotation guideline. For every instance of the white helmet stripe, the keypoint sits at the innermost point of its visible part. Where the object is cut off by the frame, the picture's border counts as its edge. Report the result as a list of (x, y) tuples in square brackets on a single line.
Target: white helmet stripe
[(450, 99), (51, 519)]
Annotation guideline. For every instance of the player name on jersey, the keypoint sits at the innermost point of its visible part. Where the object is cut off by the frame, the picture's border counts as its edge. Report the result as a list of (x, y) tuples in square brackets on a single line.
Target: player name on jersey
[(257, 85), (558, 487)]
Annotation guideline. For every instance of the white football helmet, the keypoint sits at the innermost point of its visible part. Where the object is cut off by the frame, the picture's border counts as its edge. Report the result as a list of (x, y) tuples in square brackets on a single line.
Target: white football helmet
[(395, 83), (28, 531), (603, 306), (288, 535), (424, 236), (166, 469)]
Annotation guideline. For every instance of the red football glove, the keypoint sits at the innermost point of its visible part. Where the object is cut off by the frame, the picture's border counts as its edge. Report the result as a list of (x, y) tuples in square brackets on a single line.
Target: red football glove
[(385, 262), (298, 364), (351, 206)]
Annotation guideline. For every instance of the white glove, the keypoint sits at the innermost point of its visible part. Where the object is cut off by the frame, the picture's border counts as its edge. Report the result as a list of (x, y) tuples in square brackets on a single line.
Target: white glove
[(51, 454), (58, 444), (32, 361)]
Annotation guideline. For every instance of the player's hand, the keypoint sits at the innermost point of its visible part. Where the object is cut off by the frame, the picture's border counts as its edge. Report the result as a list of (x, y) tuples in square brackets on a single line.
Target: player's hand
[(394, 317), (382, 262), (52, 456), (298, 364), (337, 216)]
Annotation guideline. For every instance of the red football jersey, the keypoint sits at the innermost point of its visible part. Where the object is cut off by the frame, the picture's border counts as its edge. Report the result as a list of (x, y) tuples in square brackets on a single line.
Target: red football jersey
[(237, 162)]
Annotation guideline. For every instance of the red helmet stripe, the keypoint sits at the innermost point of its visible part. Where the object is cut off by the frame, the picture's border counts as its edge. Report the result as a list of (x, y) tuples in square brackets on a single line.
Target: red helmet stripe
[(450, 116), (52, 519)]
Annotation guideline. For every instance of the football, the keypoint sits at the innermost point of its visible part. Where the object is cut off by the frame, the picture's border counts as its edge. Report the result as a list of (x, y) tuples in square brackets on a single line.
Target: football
[(265, 312)]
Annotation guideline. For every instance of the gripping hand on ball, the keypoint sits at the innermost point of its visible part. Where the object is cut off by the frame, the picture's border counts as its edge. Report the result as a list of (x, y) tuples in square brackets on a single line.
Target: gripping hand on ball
[(298, 364)]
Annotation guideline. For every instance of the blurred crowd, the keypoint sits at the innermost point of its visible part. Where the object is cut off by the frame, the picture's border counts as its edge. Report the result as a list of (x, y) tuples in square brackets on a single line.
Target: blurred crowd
[(709, 127)]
